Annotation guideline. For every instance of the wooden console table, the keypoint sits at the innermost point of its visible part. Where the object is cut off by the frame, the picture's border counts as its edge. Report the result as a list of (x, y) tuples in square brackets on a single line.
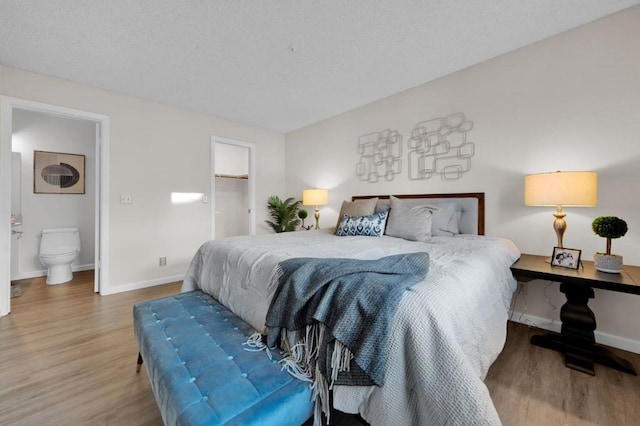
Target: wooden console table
[(576, 339)]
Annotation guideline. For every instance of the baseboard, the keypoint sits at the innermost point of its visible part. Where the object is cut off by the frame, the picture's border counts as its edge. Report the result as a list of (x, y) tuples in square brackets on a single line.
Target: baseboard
[(552, 325), (43, 272), (140, 285), (78, 268), (111, 289), (27, 275)]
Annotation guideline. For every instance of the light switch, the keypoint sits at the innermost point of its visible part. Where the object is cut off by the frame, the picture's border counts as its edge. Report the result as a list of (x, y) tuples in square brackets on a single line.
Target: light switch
[(205, 199), (125, 199)]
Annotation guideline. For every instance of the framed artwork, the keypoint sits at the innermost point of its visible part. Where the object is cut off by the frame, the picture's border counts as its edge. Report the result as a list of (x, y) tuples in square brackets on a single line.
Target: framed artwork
[(58, 173), (566, 257)]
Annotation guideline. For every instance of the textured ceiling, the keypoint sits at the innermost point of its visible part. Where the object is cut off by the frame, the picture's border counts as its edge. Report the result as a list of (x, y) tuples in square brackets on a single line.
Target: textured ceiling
[(277, 64)]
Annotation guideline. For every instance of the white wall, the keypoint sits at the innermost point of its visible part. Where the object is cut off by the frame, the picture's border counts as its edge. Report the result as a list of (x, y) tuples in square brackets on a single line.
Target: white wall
[(571, 102), (231, 194), (231, 160), (232, 205), (36, 131), (155, 150)]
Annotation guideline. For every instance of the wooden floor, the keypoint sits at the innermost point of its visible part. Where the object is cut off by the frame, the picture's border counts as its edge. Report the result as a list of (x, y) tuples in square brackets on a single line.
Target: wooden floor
[(68, 358), (531, 386)]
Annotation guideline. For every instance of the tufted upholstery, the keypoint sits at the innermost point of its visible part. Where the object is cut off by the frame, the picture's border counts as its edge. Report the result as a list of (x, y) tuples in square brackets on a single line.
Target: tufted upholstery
[(200, 373)]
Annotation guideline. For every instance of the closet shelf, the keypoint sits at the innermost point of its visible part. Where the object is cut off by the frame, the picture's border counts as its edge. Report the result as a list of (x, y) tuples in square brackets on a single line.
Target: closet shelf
[(232, 176)]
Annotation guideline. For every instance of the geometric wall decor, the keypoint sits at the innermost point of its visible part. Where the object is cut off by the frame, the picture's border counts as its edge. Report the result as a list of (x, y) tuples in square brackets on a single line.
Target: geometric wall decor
[(380, 156), (58, 173), (440, 147)]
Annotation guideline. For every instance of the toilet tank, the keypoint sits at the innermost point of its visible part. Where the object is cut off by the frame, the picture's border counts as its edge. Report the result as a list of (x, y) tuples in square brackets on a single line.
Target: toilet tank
[(59, 240)]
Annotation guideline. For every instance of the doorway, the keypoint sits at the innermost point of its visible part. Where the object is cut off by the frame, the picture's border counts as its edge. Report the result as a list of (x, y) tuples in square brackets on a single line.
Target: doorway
[(8, 108), (232, 188)]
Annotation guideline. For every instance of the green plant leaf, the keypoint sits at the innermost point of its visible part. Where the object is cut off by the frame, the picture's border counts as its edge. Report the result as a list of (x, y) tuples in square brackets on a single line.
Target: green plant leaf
[(284, 214), (609, 227)]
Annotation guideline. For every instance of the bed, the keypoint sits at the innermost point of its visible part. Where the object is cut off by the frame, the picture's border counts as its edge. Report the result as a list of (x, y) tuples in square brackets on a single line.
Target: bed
[(447, 330)]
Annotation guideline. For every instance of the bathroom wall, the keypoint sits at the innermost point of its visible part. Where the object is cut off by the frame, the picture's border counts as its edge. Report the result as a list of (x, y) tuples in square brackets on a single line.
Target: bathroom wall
[(37, 131)]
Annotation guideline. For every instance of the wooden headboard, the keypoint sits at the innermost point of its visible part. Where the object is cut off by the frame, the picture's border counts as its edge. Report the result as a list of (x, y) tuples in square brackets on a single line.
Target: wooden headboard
[(477, 195)]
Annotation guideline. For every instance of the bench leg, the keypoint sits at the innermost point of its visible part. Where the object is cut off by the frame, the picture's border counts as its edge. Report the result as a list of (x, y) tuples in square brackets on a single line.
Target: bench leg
[(140, 361)]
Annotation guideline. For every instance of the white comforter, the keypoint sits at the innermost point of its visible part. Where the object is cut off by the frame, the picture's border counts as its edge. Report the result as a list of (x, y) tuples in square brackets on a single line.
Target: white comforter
[(447, 331)]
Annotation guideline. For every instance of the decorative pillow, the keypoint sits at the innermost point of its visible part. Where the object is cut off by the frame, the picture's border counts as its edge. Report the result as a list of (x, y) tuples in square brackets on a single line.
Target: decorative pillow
[(357, 208), (369, 226), (408, 220), (445, 221), (380, 208)]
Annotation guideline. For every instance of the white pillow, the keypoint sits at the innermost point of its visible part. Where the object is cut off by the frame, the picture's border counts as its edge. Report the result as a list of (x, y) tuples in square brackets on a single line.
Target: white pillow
[(409, 220), (445, 221)]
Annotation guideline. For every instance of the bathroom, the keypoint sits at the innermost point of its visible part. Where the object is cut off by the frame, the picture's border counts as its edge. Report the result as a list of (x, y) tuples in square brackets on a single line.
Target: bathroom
[(33, 212)]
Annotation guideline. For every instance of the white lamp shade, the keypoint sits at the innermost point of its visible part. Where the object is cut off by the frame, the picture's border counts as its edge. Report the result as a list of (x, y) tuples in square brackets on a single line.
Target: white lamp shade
[(573, 189), (315, 197)]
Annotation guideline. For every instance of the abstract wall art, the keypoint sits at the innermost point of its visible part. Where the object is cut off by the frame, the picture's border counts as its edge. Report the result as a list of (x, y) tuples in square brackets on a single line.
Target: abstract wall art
[(437, 147), (58, 173), (380, 156)]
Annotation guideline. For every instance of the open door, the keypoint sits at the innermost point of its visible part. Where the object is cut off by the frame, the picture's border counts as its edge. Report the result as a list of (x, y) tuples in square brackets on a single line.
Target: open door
[(7, 107), (232, 188)]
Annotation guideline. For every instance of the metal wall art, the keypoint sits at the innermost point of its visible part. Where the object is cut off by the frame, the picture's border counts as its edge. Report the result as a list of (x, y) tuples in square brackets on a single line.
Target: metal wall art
[(380, 156), (436, 147), (440, 147)]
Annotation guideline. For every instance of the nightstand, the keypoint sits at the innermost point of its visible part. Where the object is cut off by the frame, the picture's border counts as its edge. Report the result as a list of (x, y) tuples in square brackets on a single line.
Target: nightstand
[(576, 339)]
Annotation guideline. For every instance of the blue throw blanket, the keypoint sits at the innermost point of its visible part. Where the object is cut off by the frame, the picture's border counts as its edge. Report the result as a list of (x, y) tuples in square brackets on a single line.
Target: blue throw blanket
[(355, 299)]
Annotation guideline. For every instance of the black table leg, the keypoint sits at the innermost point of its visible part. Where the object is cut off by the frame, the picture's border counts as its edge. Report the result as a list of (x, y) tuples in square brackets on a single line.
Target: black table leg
[(604, 356), (578, 325), (577, 340)]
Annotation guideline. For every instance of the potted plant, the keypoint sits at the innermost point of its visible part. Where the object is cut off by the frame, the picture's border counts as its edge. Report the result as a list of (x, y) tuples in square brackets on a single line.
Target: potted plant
[(283, 213), (609, 227), (302, 214)]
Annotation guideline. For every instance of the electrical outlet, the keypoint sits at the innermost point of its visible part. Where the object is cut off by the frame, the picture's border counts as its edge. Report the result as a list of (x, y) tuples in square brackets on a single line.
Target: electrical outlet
[(126, 199), (163, 261)]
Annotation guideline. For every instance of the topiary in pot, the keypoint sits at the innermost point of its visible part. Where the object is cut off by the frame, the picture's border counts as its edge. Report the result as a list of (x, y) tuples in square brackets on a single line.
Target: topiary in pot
[(283, 213), (302, 214), (609, 227)]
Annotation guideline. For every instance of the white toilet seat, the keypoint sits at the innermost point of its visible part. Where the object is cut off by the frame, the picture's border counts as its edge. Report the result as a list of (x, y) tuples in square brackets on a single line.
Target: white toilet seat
[(59, 248)]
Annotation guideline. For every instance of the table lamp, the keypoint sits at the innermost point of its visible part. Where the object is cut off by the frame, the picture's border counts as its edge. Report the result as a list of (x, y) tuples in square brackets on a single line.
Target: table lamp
[(569, 189), (317, 198)]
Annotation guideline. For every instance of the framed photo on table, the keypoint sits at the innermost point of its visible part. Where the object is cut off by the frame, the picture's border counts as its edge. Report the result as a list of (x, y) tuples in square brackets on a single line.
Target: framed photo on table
[(58, 173), (566, 257)]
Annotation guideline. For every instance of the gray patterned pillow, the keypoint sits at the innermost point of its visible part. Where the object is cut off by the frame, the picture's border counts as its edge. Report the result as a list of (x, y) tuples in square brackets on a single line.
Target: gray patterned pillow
[(369, 226), (357, 208), (382, 208)]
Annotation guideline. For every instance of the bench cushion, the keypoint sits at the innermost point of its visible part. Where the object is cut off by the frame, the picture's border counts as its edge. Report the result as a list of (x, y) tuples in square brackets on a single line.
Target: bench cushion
[(200, 372)]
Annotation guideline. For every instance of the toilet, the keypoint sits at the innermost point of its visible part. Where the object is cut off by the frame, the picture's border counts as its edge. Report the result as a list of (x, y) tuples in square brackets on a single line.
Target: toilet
[(58, 249)]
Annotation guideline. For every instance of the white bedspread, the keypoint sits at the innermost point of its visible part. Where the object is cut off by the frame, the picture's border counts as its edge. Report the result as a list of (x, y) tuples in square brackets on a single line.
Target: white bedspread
[(446, 333)]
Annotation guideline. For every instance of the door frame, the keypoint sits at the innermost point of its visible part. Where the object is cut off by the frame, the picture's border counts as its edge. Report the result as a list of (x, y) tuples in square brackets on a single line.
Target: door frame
[(251, 184), (7, 105)]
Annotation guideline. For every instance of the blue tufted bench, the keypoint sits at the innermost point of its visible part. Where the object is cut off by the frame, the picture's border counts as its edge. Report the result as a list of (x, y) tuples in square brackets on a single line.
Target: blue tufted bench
[(200, 372)]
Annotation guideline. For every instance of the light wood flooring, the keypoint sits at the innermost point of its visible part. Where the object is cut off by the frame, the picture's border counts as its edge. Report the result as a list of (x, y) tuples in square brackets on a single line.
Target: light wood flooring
[(531, 386), (68, 358)]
